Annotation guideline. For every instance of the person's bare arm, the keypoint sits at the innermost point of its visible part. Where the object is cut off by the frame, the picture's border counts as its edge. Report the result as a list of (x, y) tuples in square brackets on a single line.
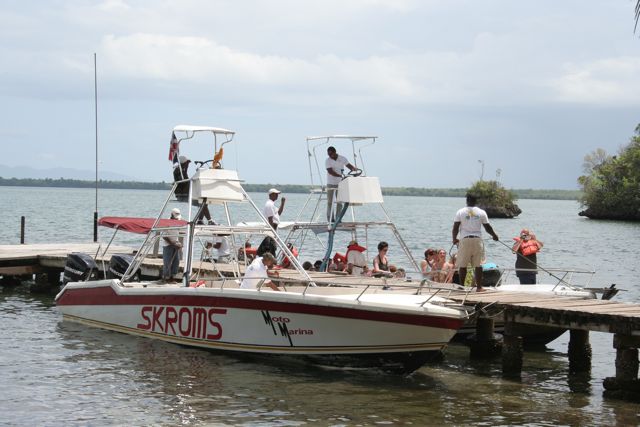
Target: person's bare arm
[(516, 245), (454, 232), (330, 171), (490, 231)]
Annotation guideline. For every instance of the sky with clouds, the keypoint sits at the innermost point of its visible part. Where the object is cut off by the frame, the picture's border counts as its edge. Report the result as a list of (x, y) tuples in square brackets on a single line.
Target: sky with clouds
[(526, 87)]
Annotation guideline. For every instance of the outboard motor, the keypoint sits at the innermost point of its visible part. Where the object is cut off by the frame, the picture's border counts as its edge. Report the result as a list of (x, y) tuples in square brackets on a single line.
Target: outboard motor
[(490, 274), (79, 267), (119, 264)]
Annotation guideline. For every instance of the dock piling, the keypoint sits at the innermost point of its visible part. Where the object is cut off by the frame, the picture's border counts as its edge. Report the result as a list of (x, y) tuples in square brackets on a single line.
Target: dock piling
[(625, 385), (485, 345), (579, 351), (512, 351), (22, 221)]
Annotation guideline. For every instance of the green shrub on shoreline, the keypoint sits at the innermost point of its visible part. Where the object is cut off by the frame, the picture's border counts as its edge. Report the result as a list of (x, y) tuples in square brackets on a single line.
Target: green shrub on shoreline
[(611, 183)]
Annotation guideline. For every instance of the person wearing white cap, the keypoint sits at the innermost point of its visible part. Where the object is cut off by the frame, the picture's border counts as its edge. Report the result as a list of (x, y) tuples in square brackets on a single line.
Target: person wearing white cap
[(270, 211), (171, 253)]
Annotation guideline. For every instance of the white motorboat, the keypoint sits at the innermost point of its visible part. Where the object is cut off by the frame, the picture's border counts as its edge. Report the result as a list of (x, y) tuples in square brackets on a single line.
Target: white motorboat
[(364, 218), (208, 308)]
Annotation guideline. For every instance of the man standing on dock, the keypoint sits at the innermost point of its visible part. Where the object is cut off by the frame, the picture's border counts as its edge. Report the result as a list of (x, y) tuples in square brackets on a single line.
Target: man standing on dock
[(467, 234)]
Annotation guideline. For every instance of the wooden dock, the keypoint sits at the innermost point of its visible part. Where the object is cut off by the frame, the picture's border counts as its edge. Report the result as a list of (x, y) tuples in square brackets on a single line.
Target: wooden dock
[(49, 258), (19, 260), (514, 309)]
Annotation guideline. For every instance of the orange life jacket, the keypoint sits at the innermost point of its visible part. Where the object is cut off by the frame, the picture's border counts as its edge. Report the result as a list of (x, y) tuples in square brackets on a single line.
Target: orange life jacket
[(338, 257), (250, 251), (286, 262), (528, 247)]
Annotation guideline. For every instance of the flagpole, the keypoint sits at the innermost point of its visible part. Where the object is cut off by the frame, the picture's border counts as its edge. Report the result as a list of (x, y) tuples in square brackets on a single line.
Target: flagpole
[(95, 96)]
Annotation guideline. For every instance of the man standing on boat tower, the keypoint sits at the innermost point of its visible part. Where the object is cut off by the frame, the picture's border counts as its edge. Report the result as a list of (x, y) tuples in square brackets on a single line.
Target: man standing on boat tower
[(335, 165)]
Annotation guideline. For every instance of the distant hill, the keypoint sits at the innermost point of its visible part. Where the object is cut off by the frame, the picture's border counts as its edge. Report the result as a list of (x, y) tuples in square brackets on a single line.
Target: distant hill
[(285, 188), (22, 172)]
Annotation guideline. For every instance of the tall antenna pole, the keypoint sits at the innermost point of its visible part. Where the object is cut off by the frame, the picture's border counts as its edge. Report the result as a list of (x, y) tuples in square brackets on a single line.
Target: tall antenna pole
[(95, 96)]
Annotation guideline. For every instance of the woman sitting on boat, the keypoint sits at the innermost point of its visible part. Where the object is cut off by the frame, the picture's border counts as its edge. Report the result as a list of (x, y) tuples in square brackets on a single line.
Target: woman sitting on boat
[(381, 262), (441, 270), (426, 265)]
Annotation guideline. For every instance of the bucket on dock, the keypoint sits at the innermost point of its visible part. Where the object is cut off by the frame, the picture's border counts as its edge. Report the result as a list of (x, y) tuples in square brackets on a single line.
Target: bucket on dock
[(490, 274), (79, 267)]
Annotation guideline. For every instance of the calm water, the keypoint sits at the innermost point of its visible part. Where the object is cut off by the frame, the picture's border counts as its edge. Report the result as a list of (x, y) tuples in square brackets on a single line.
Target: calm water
[(60, 373)]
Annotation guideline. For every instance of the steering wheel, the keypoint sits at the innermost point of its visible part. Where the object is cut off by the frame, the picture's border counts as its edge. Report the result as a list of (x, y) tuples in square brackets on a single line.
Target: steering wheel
[(200, 164), (355, 173)]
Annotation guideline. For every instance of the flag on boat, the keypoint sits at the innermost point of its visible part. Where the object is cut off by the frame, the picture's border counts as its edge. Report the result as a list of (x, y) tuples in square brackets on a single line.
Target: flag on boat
[(174, 148)]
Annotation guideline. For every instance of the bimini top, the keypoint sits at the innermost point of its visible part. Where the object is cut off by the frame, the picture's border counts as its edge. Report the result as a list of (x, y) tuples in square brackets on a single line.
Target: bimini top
[(138, 225), (351, 137), (191, 128)]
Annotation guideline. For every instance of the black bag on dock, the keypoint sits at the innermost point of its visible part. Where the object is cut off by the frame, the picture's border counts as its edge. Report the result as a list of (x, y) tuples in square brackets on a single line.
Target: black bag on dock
[(79, 267), (119, 264)]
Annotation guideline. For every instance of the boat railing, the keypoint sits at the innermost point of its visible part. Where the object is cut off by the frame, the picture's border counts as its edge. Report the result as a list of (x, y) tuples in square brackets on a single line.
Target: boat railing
[(562, 276), (312, 288)]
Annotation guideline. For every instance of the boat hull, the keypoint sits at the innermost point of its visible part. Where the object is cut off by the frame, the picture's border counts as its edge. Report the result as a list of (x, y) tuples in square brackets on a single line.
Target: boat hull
[(265, 322)]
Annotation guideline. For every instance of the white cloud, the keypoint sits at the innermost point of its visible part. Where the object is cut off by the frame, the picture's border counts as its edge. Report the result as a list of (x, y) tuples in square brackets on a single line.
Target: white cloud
[(114, 5), (490, 72), (606, 81), (197, 60)]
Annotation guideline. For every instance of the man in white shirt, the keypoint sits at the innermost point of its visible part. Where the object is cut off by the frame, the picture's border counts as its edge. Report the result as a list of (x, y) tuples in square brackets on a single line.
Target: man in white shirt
[(221, 244), (270, 211), (467, 234), (256, 272), (335, 165)]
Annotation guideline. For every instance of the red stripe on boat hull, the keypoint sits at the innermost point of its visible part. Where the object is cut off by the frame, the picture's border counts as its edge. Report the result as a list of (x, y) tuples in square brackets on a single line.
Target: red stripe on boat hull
[(107, 296)]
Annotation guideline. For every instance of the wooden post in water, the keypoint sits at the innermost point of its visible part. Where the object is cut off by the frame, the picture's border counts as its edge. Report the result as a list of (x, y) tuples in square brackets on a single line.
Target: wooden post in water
[(625, 385), (22, 220), (579, 351), (512, 350), (485, 345)]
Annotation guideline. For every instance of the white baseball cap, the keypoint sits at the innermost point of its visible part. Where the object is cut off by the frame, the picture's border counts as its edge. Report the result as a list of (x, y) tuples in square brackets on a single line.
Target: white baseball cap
[(175, 213), (183, 159), (274, 191)]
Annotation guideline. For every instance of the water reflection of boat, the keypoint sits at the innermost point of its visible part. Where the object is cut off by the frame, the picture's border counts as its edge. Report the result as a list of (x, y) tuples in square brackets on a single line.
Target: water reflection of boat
[(370, 327)]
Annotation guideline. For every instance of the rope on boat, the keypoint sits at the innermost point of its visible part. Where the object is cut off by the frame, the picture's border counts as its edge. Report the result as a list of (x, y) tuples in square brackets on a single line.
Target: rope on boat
[(332, 232)]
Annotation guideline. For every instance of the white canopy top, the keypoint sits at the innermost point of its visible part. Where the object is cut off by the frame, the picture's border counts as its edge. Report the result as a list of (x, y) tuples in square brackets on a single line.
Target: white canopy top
[(351, 137), (191, 128)]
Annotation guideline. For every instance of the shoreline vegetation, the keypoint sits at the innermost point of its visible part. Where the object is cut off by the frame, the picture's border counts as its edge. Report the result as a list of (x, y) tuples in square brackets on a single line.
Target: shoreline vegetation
[(496, 200), (610, 183), (286, 188)]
